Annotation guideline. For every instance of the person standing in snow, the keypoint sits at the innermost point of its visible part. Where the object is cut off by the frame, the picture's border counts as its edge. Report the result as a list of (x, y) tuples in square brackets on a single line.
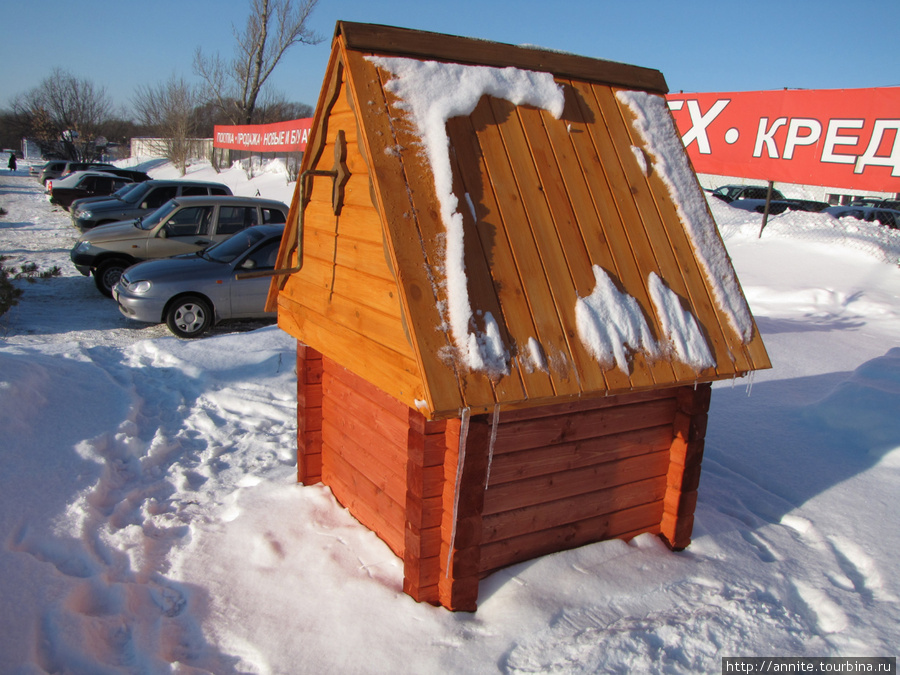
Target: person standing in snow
[(12, 161)]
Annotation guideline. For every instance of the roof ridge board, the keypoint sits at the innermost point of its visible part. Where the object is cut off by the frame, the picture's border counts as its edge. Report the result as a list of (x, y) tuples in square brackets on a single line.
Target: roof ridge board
[(443, 47)]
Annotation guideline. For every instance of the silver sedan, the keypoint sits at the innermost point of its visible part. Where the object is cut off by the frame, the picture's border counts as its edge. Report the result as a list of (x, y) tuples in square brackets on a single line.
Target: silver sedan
[(193, 292)]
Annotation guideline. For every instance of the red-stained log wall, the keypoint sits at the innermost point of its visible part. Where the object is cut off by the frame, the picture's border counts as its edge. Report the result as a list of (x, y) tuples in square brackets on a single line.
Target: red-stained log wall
[(539, 481)]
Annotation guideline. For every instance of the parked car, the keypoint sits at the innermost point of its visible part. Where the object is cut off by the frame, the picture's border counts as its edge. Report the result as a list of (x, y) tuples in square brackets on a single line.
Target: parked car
[(63, 191), (777, 206), (871, 214), (133, 174), (759, 205), (193, 292), (730, 193), (56, 168), (52, 169), (82, 202), (72, 167), (181, 225), (142, 201), (806, 205), (877, 202)]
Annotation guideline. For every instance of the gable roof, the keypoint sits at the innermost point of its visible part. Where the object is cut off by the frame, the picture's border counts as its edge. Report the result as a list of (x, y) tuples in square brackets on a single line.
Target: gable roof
[(546, 234)]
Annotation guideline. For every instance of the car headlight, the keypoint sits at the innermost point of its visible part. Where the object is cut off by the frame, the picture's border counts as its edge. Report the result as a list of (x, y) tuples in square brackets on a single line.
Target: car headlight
[(82, 246), (84, 214), (136, 287)]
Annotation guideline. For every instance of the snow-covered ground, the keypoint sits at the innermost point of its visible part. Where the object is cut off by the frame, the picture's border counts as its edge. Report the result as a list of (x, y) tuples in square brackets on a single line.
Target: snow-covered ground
[(150, 521)]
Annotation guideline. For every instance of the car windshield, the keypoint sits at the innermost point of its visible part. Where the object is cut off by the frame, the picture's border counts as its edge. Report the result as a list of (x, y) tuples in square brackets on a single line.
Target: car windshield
[(231, 248), (727, 191), (152, 220), (140, 189), (124, 190)]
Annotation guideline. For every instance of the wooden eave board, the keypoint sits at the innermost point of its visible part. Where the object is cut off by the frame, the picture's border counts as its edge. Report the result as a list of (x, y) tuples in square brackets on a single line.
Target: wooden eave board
[(440, 47)]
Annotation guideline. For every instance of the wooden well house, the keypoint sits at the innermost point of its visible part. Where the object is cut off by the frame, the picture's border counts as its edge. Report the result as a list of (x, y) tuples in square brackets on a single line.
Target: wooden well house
[(509, 298)]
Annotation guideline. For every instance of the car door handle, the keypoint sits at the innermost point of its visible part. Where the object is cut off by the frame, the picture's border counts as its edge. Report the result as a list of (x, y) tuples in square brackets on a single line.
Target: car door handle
[(200, 242)]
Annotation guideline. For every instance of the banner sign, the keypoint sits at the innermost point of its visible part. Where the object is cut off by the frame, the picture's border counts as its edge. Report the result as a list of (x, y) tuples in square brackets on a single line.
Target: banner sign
[(277, 137), (848, 138)]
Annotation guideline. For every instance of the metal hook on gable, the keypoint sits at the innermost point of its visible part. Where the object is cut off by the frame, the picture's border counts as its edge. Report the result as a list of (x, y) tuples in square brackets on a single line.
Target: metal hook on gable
[(341, 174)]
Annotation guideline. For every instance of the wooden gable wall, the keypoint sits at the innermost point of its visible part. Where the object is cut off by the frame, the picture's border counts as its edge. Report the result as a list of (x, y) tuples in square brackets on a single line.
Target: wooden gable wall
[(344, 300)]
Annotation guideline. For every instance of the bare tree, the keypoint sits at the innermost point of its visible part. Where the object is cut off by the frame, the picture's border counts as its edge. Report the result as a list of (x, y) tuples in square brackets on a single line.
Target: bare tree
[(66, 115), (169, 111), (272, 28)]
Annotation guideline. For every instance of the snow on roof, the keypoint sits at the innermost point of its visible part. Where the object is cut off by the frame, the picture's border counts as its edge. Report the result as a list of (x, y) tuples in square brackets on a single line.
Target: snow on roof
[(679, 327), (654, 124), (432, 93), (610, 324)]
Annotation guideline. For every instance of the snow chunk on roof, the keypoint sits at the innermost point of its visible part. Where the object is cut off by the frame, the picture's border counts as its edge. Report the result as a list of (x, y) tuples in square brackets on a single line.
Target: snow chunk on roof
[(611, 324), (656, 128), (432, 93), (679, 326)]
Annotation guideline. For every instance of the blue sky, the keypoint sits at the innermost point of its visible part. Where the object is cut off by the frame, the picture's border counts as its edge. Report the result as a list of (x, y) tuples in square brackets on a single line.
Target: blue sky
[(699, 45)]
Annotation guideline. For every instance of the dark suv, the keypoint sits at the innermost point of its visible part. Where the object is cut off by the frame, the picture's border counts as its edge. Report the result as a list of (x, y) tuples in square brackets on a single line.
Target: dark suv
[(83, 184), (730, 193), (144, 199)]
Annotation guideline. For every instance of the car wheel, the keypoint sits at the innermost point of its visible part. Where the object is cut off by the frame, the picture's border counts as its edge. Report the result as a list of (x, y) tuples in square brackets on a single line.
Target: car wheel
[(189, 317), (107, 275)]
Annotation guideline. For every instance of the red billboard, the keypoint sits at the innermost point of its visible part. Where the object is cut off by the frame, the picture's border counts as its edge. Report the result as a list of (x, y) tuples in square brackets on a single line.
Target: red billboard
[(848, 138), (277, 137)]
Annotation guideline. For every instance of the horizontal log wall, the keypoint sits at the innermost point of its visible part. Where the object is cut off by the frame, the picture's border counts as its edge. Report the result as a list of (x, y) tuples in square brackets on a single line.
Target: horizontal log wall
[(309, 415), (554, 478), (364, 452), (566, 475), (684, 468), (424, 504)]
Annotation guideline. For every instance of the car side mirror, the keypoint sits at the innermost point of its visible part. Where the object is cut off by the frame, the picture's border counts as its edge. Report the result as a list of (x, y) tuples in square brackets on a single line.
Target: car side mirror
[(162, 234), (248, 264)]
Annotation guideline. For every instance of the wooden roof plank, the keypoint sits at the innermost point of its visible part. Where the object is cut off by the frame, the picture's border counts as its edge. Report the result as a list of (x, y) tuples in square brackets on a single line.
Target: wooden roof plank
[(618, 215), (651, 225), (483, 294), (538, 126), (474, 385), (528, 266), (566, 283), (483, 299), (515, 312)]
